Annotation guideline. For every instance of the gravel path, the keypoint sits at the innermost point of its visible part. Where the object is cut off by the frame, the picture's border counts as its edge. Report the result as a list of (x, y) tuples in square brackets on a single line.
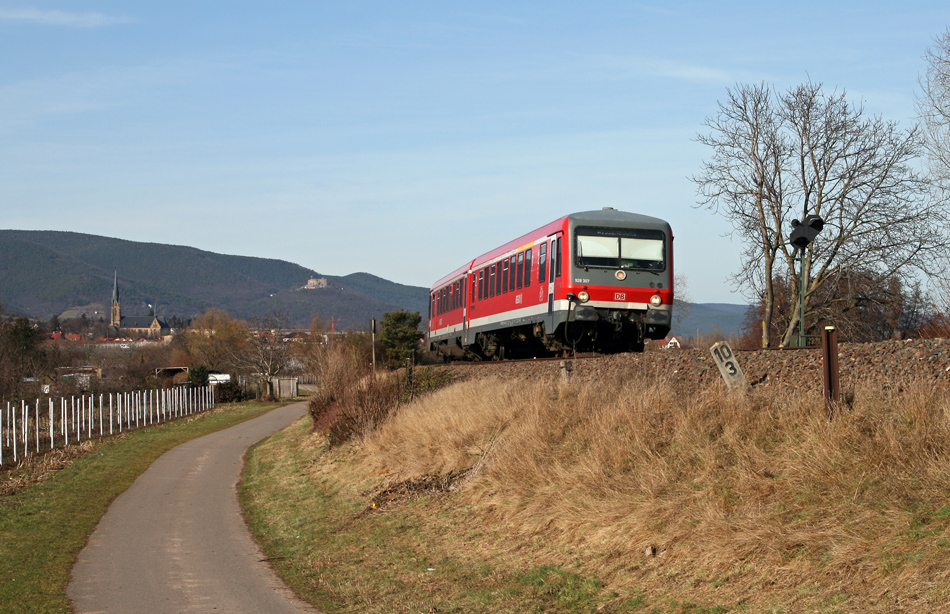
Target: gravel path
[(176, 540)]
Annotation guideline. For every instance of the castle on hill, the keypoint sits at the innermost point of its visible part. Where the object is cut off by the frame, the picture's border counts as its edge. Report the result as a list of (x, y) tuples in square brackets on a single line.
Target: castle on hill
[(134, 326)]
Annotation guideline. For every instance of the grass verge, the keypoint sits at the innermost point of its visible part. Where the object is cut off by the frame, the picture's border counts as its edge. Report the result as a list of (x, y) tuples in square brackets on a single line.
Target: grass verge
[(45, 525), (309, 511)]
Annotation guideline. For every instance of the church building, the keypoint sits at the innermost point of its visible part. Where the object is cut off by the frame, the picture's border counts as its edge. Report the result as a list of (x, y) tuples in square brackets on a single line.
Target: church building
[(134, 326)]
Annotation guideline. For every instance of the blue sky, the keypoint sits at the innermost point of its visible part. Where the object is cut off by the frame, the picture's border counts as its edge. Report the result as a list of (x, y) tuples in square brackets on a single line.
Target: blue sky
[(403, 138)]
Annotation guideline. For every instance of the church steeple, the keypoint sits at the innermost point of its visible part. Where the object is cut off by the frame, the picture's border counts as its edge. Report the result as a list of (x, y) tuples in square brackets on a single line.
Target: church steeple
[(116, 319)]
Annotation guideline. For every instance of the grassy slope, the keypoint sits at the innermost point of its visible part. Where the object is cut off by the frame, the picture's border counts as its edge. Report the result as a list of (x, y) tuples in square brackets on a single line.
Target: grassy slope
[(307, 510), (622, 496), (43, 528)]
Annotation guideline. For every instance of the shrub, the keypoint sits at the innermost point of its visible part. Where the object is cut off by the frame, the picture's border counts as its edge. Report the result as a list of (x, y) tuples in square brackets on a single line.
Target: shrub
[(351, 401), (231, 392)]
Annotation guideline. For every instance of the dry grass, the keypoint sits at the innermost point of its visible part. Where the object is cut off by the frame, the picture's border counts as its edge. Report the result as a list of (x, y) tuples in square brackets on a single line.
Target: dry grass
[(753, 501)]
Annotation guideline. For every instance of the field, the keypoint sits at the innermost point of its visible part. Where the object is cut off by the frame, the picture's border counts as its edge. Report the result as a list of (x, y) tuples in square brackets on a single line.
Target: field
[(624, 491)]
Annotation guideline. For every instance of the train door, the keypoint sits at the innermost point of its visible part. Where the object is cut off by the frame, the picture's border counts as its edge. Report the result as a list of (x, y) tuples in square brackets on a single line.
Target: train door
[(554, 270), (467, 288)]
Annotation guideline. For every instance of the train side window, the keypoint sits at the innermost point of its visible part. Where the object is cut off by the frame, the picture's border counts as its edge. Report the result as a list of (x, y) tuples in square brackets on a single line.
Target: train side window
[(498, 279), (504, 276), (527, 269), (491, 280), (458, 294), (543, 263), (480, 282), (558, 259), (520, 270), (514, 269), (553, 260)]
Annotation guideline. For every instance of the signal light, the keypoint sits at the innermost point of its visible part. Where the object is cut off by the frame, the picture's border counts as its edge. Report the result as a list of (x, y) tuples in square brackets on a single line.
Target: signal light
[(805, 231)]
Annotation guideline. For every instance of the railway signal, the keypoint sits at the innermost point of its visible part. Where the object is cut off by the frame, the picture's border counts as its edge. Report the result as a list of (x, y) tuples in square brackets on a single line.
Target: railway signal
[(803, 233)]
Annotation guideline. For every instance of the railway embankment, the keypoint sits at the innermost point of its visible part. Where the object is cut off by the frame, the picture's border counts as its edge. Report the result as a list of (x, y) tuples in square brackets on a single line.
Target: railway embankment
[(886, 364), (643, 486)]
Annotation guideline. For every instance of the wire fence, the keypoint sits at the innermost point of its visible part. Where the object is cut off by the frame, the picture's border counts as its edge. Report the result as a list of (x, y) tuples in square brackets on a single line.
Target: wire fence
[(28, 429)]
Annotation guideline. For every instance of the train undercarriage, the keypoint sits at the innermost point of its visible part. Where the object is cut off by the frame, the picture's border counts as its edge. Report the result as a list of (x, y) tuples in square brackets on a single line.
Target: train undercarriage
[(601, 331)]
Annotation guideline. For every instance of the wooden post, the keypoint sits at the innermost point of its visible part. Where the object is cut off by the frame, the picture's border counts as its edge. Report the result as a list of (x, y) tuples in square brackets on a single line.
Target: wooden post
[(829, 368), (372, 326)]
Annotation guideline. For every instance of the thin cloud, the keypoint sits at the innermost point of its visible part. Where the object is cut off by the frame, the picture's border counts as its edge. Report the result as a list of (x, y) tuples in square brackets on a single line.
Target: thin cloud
[(626, 67), (61, 18)]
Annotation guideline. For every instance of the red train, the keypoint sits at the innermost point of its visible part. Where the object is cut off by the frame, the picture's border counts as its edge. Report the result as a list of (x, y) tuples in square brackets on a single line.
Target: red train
[(591, 281)]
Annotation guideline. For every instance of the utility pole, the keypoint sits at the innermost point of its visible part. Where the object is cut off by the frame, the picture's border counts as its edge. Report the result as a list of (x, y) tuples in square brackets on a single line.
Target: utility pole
[(372, 326)]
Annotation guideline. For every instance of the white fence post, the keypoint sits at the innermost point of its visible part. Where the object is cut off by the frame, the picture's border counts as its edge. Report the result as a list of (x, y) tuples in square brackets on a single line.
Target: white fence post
[(25, 422), (26, 428)]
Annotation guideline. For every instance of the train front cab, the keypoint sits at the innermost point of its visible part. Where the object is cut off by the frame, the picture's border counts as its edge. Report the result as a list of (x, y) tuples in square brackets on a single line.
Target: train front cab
[(618, 285)]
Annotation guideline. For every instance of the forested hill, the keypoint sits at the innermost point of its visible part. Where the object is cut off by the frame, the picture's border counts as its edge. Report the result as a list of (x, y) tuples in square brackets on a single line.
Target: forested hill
[(46, 273)]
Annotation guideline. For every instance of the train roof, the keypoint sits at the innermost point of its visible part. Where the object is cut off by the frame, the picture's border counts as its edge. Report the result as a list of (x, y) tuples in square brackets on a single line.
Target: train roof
[(607, 215)]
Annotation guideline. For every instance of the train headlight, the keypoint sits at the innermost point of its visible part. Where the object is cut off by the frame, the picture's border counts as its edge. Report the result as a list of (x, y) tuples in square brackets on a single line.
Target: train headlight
[(620, 275), (655, 300), (583, 297)]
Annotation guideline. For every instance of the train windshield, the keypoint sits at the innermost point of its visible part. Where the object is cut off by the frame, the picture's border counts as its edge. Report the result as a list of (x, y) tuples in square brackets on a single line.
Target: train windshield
[(619, 248)]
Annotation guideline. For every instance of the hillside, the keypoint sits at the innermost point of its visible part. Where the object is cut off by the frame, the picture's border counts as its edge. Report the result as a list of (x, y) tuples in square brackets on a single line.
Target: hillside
[(46, 273), (706, 318)]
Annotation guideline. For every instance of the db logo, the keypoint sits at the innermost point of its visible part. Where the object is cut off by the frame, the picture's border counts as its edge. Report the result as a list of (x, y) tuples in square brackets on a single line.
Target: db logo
[(620, 296)]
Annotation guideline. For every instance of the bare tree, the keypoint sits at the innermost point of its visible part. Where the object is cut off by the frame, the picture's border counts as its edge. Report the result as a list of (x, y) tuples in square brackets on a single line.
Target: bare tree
[(933, 106), (807, 152), (743, 182), (215, 338), (265, 355)]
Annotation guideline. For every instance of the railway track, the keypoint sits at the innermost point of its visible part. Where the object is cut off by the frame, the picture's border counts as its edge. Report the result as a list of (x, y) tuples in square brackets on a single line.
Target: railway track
[(510, 361)]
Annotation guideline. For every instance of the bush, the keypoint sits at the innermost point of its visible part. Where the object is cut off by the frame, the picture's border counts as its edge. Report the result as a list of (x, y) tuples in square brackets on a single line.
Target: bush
[(352, 402), (231, 392)]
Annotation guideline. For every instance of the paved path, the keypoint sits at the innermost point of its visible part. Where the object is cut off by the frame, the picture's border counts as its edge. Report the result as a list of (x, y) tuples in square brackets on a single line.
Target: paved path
[(176, 541)]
